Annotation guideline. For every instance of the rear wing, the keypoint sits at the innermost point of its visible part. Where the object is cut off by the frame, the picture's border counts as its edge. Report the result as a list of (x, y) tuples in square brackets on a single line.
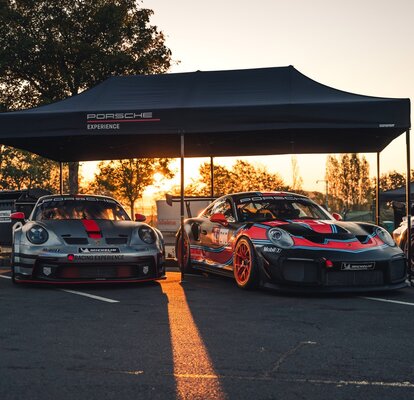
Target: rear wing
[(170, 199)]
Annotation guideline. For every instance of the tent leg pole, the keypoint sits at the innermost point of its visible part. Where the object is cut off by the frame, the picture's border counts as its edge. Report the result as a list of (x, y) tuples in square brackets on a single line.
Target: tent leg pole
[(211, 177), (182, 209), (377, 190), (408, 203), (61, 177)]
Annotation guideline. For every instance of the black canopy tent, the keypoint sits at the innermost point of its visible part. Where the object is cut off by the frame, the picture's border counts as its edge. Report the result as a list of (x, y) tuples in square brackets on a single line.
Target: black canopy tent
[(219, 113), (398, 194)]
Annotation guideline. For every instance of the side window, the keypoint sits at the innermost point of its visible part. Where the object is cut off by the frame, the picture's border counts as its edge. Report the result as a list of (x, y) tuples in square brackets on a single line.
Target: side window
[(208, 212), (224, 207)]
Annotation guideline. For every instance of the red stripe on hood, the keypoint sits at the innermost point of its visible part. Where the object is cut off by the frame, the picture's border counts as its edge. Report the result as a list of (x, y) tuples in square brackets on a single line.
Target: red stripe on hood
[(92, 228)]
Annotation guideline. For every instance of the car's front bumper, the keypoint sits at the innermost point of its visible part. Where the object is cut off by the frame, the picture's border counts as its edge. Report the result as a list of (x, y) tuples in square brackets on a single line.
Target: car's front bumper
[(87, 268), (308, 271)]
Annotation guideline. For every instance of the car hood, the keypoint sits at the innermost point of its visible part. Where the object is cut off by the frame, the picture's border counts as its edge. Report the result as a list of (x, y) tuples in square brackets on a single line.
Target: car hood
[(321, 229)]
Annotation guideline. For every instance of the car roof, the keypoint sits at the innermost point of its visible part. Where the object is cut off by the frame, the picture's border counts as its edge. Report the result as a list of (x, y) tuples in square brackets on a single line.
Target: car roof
[(75, 196), (237, 196)]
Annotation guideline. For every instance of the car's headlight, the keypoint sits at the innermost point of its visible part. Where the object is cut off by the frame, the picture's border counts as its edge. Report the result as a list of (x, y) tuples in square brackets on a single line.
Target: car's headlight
[(37, 234), (280, 238), (385, 237), (146, 234)]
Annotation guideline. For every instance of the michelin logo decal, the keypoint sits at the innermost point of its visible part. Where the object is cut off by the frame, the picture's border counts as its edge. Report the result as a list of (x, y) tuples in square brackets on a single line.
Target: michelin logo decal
[(88, 250)]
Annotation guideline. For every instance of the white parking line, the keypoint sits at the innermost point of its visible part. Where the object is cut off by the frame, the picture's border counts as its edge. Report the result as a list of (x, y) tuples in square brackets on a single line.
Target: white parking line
[(5, 277), (388, 301), (90, 295)]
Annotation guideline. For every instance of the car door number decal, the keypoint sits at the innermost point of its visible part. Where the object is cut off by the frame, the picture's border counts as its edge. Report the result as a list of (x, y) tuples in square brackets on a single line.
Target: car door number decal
[(220, 235)]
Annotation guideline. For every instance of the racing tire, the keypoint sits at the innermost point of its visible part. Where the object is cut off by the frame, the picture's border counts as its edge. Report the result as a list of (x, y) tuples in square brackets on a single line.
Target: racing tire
[(187, 266), (13, 274), (245, 265)]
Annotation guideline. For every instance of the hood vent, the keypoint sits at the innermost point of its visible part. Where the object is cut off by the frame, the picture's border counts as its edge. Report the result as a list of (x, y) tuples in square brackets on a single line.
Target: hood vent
[(321, 238), (75, 240)]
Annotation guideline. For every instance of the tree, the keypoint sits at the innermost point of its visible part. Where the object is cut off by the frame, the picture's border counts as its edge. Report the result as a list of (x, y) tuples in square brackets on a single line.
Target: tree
[(297, 180), (127, 179), (348, 180), (24, 170), (201, 186), (241, 178), (392, 180), (50, 50)]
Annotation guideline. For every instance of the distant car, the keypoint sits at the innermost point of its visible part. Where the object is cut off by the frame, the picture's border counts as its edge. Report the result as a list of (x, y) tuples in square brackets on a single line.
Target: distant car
[(400, 236), (84, 239), (286, 241)]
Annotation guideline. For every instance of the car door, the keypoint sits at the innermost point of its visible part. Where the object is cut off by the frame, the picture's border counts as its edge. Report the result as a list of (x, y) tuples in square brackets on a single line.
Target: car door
[(218, 234)]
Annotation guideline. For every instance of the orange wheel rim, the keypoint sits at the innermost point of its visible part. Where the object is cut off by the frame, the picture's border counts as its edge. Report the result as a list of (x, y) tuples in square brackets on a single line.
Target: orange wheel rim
[(242, 263)]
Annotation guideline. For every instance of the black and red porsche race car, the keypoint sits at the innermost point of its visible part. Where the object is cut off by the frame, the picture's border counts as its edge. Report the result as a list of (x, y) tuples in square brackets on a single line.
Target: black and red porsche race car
[(286, 241)]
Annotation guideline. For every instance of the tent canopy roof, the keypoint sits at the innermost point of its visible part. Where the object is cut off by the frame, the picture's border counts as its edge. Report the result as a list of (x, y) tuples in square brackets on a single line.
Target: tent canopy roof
[(398, 194), (222, 113)]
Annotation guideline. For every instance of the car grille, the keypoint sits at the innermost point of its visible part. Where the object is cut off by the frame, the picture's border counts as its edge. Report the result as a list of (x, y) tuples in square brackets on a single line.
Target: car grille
[(354, 278), (303, 271), (398, 269), (117, 240), (94, 271)]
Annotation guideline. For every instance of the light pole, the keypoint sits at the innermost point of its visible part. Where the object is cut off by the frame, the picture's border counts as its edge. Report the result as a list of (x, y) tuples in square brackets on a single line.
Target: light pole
[(326, 191)]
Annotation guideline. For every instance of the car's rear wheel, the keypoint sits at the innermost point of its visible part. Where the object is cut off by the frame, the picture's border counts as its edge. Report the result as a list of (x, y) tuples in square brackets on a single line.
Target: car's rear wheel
[(410, 265), (184, 262), (245, 267)]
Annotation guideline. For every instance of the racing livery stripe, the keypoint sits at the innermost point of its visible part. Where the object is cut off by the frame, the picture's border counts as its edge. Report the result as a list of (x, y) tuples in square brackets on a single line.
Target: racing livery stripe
[(340, 250), (330, 240), (92, 228), (209, 249)]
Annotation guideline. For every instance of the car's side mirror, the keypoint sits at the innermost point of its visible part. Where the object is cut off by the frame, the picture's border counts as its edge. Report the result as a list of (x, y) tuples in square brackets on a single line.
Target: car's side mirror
[(17, 216), (337, 216), (219, 218), (140, 217)]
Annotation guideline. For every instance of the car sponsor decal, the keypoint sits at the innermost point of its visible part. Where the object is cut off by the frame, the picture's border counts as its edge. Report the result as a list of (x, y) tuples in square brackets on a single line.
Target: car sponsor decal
[(264, 198), (98, 250), (220, 235), (270, 249), (51, 250), (5, 216), (98, 257), (92, 228), (348, 266)]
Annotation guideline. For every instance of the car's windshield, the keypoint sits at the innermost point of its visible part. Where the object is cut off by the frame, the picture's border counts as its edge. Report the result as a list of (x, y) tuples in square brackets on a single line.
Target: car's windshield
[(273, 208), (79, 208)]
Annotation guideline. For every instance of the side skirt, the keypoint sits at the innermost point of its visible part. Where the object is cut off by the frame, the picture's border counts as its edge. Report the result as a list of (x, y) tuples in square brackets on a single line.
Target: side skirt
[(212, 269)]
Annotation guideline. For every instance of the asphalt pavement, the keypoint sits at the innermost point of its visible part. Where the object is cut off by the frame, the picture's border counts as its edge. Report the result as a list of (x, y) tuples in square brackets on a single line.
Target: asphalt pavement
[(202, 339)]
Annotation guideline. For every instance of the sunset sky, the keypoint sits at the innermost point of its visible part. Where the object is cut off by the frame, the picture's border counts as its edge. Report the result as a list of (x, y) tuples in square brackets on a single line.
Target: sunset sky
[(365, 47)]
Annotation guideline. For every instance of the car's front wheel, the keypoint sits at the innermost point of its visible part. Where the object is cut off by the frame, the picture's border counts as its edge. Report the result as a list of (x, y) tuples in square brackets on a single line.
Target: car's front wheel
[(245, 266), (13, 273)]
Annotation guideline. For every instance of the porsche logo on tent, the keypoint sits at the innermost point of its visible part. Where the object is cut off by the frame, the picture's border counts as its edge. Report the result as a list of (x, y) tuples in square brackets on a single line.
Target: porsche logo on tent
[(113, 120)]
